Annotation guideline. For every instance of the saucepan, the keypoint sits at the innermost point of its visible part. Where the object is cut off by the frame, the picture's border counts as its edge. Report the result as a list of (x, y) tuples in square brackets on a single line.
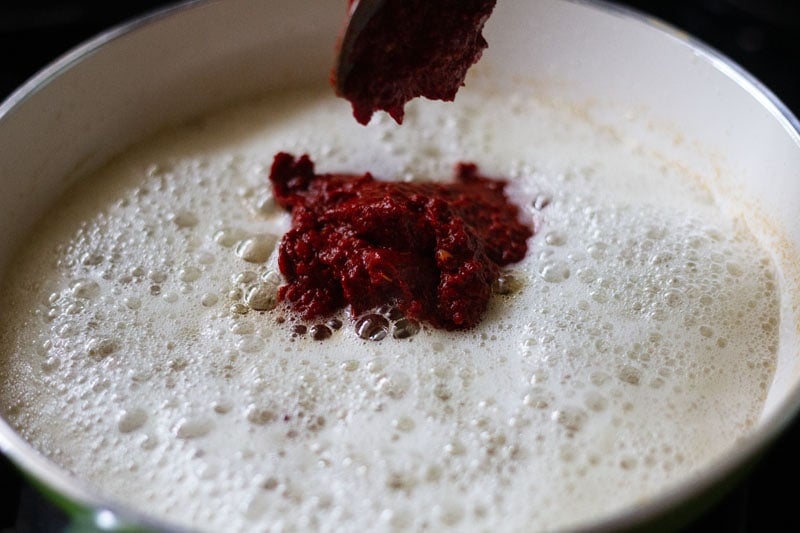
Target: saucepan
[(620, 68)]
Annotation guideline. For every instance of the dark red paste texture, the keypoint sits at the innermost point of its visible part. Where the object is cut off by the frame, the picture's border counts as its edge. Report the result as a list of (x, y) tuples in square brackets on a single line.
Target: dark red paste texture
[(396, 50), (433, 250)]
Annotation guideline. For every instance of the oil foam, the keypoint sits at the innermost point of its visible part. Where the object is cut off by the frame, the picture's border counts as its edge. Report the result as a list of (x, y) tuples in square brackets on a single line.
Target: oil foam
[(142, 349)]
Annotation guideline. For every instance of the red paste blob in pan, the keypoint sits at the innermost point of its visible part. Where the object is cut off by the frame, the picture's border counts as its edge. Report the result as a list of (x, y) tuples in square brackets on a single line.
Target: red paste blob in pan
[(431, 249), (396, 50)]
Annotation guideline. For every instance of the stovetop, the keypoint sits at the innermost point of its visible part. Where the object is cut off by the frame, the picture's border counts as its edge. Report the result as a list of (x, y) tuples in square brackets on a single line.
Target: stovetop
[(761, 35)]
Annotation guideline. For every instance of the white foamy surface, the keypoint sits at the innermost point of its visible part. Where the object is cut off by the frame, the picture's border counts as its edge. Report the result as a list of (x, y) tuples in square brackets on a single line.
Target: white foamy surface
[(637, 350)]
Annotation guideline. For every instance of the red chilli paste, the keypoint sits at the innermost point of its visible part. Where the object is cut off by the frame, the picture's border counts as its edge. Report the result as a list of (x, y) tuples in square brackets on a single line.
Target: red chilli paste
[(433, 250), (396, 50)]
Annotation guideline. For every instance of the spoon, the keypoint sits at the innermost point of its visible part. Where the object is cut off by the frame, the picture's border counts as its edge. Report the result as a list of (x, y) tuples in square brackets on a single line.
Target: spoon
[(392, 51)]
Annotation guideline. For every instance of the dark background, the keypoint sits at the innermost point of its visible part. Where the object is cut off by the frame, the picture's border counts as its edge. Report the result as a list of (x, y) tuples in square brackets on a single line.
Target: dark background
[(761, 35)]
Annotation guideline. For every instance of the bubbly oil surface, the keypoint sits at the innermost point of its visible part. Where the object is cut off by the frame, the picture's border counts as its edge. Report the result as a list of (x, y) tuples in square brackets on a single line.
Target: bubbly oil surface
[(142, 350)]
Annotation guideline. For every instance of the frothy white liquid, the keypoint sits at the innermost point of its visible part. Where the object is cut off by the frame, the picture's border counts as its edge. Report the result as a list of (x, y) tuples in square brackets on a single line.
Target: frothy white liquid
[(638, 348)]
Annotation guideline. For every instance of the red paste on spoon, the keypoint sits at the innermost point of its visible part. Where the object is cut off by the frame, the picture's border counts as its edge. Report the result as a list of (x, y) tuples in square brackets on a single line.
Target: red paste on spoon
[(433, 250), (395, 50)]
